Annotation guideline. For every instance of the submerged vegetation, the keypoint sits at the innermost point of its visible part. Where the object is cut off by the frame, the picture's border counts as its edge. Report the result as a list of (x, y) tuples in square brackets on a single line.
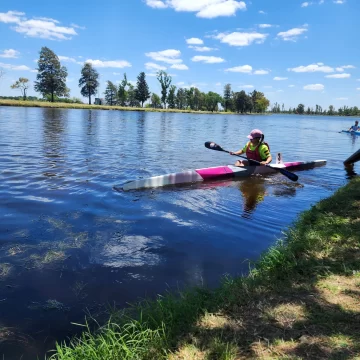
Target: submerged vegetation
[(300, 301)]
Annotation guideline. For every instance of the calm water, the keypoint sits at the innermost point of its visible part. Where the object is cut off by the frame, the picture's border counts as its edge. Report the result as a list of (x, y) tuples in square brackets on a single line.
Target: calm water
[(70, 244)]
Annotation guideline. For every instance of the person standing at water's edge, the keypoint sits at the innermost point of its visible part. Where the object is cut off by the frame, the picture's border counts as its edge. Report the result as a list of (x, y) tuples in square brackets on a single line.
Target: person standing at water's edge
[(256, 149), (355, 127)]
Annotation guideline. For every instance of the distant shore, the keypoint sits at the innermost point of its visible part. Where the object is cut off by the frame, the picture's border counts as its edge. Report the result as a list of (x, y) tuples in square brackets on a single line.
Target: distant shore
[(60, 105)]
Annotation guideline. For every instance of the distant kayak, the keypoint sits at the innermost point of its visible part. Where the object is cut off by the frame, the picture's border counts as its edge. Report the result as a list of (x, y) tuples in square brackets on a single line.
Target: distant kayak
[(351, 132), (214, 173)]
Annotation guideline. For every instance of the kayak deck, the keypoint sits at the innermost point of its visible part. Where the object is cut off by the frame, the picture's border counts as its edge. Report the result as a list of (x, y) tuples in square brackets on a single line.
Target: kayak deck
[(351, 132), (218, 172)]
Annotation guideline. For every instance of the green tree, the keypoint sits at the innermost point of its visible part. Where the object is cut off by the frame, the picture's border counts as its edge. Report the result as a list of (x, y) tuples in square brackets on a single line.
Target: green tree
[(212, 100), (227, 97), (110, 93), (172, 97), (155, 101), (165, 82), (241, 101), (142, 92), (300, 109), (88, 81), (262, 104), (22, 85), (131, 94), (122, 93), (331, 110), (181, 99), (51, 76)]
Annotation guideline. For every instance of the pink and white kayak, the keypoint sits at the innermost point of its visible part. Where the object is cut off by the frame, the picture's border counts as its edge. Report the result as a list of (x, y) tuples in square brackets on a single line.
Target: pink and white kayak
[(217, 173)]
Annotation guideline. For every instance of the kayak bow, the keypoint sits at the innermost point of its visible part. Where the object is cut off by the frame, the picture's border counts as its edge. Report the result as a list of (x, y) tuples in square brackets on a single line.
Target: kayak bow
[(216, 173)]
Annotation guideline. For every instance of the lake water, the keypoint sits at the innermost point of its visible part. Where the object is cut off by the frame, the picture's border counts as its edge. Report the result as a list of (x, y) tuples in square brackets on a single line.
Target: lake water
[(71, 245)]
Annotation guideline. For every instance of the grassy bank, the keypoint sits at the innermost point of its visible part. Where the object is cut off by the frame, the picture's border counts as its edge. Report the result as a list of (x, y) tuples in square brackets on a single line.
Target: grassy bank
[(301, 301), (98, 107)]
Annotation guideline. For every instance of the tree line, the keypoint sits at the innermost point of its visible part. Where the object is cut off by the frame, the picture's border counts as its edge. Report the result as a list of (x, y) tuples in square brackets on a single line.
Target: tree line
[(51, 83), (301, 109)]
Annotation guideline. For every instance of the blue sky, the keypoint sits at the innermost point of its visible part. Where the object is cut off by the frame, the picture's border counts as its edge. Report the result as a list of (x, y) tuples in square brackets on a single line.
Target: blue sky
[(293, 51)]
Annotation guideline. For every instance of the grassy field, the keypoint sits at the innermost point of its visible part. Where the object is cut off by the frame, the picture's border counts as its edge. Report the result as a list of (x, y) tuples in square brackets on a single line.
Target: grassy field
[(301, 301), (97, 107)]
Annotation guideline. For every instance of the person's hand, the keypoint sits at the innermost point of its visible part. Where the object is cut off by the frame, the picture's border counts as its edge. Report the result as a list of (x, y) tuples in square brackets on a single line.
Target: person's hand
[(263, 163), (231, 153)]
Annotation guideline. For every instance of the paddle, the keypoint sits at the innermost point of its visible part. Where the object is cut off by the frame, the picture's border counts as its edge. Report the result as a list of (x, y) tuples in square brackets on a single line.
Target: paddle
[(212, 146)]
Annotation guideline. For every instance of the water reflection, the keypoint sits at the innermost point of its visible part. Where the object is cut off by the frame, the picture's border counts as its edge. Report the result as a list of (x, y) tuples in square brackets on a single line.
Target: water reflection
[(350, 172), (253, 192)]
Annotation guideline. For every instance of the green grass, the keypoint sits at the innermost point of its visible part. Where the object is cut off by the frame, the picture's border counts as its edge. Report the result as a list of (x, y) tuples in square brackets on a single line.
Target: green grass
[(287, 308), (98, 107)]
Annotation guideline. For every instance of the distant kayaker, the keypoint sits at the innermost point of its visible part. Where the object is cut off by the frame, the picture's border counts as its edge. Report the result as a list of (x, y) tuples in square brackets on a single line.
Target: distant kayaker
[(355, 127), (255, 149)]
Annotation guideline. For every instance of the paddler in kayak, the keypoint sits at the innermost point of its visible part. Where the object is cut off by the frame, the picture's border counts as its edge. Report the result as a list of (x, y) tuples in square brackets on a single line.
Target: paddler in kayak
[(355, 127), (255, 149)]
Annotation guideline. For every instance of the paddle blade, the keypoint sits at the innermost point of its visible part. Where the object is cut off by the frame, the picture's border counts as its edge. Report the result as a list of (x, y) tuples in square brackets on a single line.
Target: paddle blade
[(289, 174), (213, 146)]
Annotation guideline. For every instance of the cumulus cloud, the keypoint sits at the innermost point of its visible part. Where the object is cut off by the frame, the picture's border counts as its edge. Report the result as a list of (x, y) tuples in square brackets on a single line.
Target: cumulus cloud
[(152, 66), (14, 67), (262, 12), (9, 53), (265, 26), (44, 28), (241, 38), (208, 59), (339, 2), (201, 48), (194, 41), (109, 64), (292, 34), (277, 78), (246, 69), (315, 87), (203, 8), (179, 67), (338, 76), (306, 4), (319, 67), (169, 56), (261, 72)]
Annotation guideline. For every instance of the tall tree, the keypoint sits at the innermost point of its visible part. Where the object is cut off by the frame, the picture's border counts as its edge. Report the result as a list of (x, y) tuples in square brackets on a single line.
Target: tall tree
[(110, 93), (212, 100), (88, 81), (300, 109), (142, 92), (155, 101), (122, 93), (131, 94), (172, 97), (22, 85), (51, 76), (165, 82), (181, 99), (227, 97), (262, 104)]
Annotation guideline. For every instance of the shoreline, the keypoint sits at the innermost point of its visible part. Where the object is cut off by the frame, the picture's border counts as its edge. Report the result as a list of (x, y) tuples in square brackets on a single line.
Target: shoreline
[(300, 300), (61, 105)]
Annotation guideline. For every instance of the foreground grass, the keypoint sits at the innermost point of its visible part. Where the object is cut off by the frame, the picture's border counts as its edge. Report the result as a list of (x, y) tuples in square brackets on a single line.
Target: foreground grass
[(301, 301), (97, 107)]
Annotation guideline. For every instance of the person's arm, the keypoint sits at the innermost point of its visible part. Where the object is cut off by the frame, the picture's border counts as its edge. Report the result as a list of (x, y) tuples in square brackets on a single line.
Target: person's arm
[(239, 152), (265, 152), (267, 161)]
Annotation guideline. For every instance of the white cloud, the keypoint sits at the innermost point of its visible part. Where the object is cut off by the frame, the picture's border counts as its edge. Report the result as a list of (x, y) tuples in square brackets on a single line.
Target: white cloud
[(109, 64), (339, 1), (279, 91), (277, 78), (151, 74), (341, 98), (262, 12), (315, 87), (169, 56), (348, 67), (78, 26), (14, 67), (218, 84), (291, 86), (10, 53), (319, 67), (152, 66), (68, 59), (265, 26), (208, 59), (241, 38), (321, 2), (357, 88), (201, 48), (181, 83), (44, 28), (338, 76), (261, 72), (179, 67), (246, 69), (339, 69), (156, 4), (306, 4), (292, 34), (204, 8), (246, 86), (194, 41)]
